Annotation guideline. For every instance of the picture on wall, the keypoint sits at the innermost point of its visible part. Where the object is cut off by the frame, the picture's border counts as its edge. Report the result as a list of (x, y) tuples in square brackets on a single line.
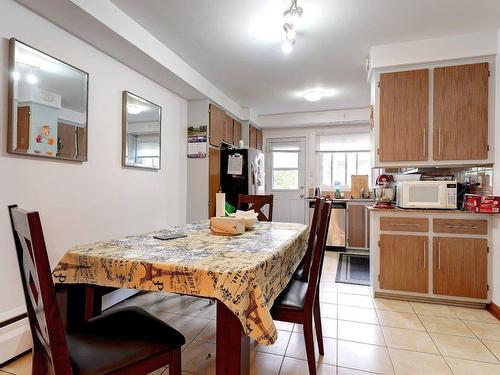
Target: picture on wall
[(197, 141)]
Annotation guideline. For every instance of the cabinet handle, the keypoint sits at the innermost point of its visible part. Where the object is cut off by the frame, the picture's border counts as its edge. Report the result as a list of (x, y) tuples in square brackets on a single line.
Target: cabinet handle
[(425, 142), (439, 255), (461, 226), (439, 140), (425, 256)]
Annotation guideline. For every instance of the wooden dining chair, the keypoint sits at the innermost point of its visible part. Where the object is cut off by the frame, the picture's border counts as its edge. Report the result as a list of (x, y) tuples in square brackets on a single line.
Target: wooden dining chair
[(257, 203), (124, 341), (298, 303), (302, 271)]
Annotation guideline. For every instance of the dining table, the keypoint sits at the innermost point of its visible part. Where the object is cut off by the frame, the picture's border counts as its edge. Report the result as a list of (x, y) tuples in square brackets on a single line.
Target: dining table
[(243, 273)]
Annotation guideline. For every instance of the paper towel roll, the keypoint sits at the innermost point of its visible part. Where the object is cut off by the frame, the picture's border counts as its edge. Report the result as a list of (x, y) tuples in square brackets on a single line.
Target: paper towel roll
[(220, 204)]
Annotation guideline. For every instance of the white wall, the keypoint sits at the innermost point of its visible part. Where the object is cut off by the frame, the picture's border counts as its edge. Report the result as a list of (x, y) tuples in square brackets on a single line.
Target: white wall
[(496, 189), (197, 172), (98, 199), (310, 134), (437, 49)]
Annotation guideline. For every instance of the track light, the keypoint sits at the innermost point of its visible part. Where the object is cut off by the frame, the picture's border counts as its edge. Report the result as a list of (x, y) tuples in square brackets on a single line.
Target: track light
[(292, 15), (287, 45), (289, 31)]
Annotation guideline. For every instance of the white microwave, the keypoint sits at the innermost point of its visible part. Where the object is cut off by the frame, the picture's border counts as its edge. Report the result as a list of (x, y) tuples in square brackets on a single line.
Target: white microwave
[(427, 194)]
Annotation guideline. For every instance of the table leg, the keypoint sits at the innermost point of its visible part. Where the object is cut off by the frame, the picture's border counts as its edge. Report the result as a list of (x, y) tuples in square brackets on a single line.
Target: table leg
[(233, 346), (78, 303)]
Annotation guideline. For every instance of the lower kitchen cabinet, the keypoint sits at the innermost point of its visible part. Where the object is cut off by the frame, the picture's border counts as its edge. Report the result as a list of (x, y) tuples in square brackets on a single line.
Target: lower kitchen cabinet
[(460, 267), (356, 226), (403, 263)]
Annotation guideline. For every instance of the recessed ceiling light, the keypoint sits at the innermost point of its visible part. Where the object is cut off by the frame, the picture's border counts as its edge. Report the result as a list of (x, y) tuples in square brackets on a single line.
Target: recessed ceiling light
[(287, 45), (314, 95)]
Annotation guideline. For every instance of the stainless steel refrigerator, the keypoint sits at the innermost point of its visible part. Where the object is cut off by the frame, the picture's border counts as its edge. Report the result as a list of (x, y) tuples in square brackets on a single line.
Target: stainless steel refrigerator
[(242, 172)]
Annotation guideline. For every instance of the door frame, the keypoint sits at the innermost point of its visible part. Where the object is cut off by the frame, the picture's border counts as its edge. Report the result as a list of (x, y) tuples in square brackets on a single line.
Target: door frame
[(268, 158)]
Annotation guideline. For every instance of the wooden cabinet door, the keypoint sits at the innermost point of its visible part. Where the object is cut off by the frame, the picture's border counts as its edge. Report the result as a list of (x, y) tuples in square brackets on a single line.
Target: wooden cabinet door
[(217, 125), (404, 116), (236, 132), (259, 140), (461, 112), (252, 136), (356, 225), (214, 178), (460, 267), (228, 129), (403, 263)]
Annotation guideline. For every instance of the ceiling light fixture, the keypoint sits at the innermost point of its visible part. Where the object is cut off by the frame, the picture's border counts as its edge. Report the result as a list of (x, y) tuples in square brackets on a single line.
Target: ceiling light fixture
[(292, 16), (314, 95), (289, 31), (287, 45)]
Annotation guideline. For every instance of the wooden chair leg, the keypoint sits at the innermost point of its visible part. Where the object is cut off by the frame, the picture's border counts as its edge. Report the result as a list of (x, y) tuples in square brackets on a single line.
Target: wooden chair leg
[(39, 366), (317, 323), (309, 341), (175, 366)]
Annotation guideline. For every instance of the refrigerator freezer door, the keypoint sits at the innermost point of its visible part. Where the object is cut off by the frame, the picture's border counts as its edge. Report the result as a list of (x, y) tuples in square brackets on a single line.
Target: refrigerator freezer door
[(256, 171)]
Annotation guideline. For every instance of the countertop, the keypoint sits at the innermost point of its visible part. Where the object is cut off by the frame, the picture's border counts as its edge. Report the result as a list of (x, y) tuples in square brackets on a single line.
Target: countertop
[(369, 200), (425, 211)]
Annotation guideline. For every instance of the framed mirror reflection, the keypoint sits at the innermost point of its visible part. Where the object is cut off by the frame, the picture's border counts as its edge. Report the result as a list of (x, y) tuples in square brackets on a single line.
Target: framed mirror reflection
[(48, 105), (141, 146)]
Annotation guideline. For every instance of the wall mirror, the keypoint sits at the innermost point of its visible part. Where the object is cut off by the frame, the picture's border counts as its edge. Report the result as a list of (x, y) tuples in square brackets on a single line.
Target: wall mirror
[(141, 132), (47, 105)]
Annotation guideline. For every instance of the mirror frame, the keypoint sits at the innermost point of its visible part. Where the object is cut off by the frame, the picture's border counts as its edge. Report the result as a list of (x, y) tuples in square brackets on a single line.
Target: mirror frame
[(10, 125), (125, 94)]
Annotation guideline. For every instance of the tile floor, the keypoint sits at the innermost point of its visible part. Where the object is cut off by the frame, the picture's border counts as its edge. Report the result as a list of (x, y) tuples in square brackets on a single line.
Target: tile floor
[(361, 336)]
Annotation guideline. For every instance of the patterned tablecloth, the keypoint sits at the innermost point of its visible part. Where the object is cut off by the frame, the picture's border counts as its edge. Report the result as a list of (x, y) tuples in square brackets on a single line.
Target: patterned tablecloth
[(245, 272)]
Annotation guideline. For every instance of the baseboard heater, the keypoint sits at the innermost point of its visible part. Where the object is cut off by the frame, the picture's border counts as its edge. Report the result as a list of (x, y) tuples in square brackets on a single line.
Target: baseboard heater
[(15, 337)]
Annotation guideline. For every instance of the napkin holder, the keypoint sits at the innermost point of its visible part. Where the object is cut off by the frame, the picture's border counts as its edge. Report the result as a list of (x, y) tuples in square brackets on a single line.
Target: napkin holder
[(227, 226)]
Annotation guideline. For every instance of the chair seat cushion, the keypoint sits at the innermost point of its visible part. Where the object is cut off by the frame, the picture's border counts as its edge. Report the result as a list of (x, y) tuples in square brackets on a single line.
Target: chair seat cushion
[(293, 296), (119, 338)]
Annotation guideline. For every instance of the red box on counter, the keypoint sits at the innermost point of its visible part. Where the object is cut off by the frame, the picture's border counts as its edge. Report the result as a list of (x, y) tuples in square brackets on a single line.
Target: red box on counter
[(472, 201), (478, 203)]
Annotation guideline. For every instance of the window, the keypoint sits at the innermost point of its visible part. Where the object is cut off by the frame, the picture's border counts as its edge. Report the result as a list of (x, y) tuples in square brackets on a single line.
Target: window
[(341, 156), (284, 165)]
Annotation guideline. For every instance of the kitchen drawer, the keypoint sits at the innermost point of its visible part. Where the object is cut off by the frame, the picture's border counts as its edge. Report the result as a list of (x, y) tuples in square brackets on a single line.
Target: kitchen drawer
[(404, 224), (460, 226)]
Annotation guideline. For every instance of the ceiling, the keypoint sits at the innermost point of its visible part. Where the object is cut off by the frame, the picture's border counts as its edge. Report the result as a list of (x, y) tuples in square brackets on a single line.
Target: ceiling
[(235, 44)]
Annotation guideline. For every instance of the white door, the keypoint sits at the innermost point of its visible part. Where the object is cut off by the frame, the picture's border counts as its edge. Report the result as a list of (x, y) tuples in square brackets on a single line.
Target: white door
[(286, 178)]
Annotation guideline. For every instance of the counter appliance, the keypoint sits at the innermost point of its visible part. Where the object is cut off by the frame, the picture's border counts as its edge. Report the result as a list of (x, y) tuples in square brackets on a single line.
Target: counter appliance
[(427, 194)]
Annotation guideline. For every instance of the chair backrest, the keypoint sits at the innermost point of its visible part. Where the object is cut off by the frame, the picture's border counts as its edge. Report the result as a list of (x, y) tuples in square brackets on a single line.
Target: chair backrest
[(313, 234), (319, 248), (257, 202), (47, 329)]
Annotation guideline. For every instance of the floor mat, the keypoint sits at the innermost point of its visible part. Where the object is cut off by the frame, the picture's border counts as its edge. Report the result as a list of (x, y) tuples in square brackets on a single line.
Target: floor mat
[(353, 269)]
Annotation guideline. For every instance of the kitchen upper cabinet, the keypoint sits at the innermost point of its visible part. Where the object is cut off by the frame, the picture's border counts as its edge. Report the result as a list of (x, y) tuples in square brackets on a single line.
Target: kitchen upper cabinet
[(236, 132), (228, 129), (460, 267), (252, 136), (217, 125), (213, 178), (403, 263), (259, 140), (460, 111), (404, 116)]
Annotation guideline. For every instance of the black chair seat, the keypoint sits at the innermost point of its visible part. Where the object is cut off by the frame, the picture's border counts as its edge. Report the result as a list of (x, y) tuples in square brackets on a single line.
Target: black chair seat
[(119, 338), (293, 296)]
